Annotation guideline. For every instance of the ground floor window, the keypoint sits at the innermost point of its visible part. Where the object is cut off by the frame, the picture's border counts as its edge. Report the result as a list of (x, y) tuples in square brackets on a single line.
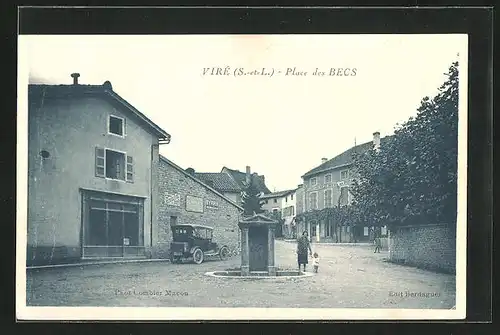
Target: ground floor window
[(112, 225), (328, 227), (313, 229)]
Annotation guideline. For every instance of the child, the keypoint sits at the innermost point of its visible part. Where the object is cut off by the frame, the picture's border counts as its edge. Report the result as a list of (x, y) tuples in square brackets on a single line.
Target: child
[(316, 262)]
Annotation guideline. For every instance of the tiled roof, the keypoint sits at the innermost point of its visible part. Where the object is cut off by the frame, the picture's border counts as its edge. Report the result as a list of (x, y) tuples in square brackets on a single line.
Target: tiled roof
[(240, 178), (218, 180), (344, 158), (37, 92), (277, 194)]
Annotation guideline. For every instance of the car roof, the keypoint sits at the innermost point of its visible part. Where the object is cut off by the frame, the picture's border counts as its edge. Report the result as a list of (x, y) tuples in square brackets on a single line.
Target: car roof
[(193, 226)]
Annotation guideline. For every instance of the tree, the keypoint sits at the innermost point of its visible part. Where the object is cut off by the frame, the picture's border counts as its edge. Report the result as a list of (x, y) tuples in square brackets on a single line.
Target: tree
[(412, 178), (251, 198), (277, 216)]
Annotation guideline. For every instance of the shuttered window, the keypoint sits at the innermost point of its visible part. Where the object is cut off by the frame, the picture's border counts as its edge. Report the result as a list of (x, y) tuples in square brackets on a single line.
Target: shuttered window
[(130, 169), (113, 165), (99, 162)]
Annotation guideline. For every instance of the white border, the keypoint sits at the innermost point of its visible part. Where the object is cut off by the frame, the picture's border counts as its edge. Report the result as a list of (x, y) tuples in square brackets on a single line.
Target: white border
[(177, 313)]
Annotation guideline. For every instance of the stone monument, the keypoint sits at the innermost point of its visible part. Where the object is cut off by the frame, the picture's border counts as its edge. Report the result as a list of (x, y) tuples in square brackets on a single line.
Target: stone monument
[(257, 233), (257, 245)]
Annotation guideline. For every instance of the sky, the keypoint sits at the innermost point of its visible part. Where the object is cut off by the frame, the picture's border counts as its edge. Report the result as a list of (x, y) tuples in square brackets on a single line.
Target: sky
[(281, 125)]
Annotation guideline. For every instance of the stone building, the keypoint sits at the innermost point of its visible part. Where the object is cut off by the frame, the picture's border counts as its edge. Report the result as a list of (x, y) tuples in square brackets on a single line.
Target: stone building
[(185, 199), (92, 162), (327, 185)]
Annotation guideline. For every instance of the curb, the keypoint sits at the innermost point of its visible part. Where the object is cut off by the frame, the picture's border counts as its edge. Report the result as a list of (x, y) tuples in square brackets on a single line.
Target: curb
[(96, 263), (276, 278)]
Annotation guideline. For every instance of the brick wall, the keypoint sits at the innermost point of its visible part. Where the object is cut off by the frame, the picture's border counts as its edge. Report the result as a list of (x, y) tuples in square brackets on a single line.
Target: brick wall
[(174, 187), (431, 246)]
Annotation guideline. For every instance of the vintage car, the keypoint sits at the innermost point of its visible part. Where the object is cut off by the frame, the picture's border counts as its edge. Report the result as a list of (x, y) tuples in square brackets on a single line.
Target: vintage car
[(194, 242)]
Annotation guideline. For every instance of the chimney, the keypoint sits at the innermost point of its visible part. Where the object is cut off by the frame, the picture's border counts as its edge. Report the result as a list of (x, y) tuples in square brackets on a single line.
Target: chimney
[(190, 171), (248, 175), (75, 78), (376, 140), (323, 160), (107, 85)]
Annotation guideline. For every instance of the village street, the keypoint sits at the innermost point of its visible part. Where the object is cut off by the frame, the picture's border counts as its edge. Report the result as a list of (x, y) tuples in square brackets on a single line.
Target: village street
[(349, 277)]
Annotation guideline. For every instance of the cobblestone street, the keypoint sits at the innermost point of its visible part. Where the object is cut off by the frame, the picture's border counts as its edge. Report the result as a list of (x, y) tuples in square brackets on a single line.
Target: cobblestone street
[(349, 277)]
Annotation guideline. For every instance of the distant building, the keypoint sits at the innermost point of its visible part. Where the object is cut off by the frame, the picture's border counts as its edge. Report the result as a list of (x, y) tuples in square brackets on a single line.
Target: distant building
[(230, 182), (185, 199), (327, 185), (92, 183), (220, 181), (283, 202), (240, 177)]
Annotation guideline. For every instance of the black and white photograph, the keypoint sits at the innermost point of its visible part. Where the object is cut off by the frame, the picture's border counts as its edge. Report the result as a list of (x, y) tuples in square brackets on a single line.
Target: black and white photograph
[(219, 177)]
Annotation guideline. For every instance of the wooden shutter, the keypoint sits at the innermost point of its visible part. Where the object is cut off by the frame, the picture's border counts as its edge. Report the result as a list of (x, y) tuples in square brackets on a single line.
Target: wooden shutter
[(124, 127), (130, 169), (100, 162)]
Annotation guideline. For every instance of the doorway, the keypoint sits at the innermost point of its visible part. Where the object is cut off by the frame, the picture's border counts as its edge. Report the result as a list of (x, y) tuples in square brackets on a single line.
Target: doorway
[(112, 226)]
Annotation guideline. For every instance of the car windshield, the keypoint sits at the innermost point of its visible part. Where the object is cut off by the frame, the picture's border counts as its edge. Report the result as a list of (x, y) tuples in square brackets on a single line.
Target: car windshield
[(201, 232)]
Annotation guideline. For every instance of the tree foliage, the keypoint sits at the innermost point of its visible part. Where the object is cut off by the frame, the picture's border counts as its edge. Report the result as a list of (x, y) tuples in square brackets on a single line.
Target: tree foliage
[(412, 179), (251, 198)]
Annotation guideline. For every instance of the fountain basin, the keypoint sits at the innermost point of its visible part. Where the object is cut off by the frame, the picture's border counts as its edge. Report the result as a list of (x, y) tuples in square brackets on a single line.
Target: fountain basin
[(280, 274)]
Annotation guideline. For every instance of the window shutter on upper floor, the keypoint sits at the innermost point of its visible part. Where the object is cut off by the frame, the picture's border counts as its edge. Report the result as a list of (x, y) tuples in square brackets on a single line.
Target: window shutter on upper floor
[(130, 169), (99, 162)]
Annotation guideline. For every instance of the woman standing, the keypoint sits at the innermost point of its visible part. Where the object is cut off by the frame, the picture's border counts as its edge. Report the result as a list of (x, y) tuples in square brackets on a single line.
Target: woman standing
[(302, 246)]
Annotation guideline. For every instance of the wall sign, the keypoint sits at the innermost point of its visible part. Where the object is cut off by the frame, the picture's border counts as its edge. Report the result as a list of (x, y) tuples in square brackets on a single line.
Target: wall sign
[(194, 204), (212, 204), (172, 199)]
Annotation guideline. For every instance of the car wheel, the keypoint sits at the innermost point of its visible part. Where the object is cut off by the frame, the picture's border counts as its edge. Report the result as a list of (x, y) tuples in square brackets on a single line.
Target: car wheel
[(224, 253), (198, 256)]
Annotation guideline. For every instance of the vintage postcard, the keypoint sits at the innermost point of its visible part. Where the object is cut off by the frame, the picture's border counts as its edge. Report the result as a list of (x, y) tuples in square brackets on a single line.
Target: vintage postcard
[(242, 177)]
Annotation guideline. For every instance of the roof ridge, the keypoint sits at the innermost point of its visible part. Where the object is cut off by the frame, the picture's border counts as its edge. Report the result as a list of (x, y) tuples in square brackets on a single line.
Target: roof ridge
[(67, 90)]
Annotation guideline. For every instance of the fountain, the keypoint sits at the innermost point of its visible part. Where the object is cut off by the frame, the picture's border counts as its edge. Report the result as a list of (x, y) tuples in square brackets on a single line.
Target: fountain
[(257, 233)]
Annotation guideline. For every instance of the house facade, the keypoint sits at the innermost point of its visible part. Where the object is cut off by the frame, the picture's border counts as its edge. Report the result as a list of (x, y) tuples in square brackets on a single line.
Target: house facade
[(283, 202), (92, 183), (326, 186), (185, 199)]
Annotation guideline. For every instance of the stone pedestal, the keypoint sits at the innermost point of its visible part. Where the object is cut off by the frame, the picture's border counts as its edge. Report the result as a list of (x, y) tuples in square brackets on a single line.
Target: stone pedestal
[(257, 245)]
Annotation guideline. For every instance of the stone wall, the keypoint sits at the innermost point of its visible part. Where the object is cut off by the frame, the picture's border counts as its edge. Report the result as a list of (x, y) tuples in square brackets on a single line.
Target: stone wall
[(431, 246), (191, 202)]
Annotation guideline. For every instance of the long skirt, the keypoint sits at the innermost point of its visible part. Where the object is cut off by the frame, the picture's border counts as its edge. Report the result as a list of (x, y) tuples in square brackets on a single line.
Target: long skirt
[(302, 258)]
